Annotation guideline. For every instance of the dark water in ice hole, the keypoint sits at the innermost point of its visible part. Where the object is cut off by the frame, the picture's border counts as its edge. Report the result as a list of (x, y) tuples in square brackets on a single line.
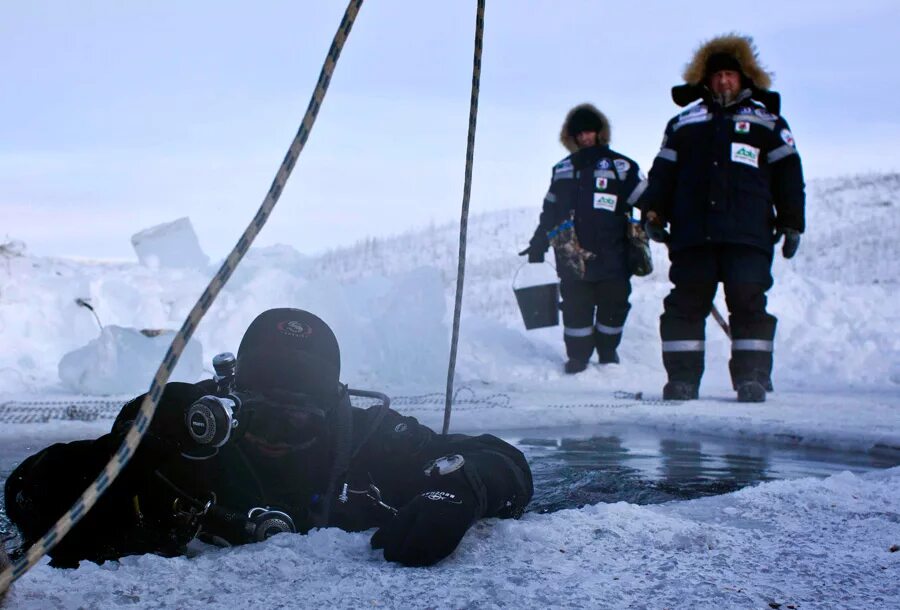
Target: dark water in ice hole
[(586, 465)]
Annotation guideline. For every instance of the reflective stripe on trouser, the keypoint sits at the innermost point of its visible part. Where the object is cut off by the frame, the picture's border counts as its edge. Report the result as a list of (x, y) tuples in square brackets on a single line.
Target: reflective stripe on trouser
[(682, 327), (594, 315), (752, 334)]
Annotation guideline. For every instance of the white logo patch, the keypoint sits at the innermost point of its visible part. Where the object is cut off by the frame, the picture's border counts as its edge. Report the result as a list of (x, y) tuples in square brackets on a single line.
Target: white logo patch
[(601, 184), (788, 137), (441, 496), (742, 127), (743, 153), (622, 165), (604, 201)]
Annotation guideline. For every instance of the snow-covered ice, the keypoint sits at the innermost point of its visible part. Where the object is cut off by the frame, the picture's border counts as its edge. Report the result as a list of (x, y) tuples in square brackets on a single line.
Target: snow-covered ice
[(807, 543)]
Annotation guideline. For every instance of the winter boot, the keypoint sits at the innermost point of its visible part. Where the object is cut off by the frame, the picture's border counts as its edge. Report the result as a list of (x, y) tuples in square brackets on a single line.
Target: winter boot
[(609, 356), (751, 391), (681, 390), (574, 366)]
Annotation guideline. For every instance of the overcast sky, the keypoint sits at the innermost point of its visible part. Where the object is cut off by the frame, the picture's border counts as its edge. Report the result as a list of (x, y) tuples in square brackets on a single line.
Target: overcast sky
[(116, 116)]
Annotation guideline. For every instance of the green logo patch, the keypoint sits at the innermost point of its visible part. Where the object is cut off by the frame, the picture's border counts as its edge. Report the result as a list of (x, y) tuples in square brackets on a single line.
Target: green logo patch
[(744, 153)]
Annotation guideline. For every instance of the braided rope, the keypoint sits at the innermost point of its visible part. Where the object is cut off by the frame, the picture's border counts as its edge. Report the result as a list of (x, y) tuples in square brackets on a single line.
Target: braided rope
[(464, 220), (148, 407)]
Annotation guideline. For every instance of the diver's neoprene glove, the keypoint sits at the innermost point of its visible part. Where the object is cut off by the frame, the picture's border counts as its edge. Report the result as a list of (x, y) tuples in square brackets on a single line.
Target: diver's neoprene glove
[(429, 528)]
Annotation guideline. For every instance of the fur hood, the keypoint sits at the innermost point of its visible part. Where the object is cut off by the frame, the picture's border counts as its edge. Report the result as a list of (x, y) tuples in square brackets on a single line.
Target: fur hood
[(740, 48), (603, 134)]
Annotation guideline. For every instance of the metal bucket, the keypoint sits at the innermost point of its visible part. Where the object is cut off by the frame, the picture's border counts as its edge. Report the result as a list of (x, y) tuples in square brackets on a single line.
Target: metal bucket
[(538, 304)]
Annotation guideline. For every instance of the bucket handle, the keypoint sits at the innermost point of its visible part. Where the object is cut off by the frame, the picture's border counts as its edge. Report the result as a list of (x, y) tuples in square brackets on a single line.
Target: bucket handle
[(516, 274)]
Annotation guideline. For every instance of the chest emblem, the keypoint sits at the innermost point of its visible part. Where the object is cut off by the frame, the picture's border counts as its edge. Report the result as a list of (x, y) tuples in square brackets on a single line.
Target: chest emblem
[(744, 153), (603, 164), (601, 183), (605, 201), (742, 127)]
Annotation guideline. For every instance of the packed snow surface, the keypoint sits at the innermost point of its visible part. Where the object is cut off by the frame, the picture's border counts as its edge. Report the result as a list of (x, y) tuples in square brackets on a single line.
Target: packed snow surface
[(807, 543)]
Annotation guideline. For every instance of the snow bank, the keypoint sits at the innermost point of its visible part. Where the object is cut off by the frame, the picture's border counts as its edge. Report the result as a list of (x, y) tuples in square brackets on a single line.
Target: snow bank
[(389, 301)]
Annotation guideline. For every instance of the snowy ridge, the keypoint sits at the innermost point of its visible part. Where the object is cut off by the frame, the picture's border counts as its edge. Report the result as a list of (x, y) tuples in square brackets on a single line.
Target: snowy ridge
[(349, 285), (389, 300)]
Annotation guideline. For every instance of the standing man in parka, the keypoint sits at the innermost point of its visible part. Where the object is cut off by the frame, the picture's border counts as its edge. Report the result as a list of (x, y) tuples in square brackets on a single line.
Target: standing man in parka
[(729, 183), (585, 216)]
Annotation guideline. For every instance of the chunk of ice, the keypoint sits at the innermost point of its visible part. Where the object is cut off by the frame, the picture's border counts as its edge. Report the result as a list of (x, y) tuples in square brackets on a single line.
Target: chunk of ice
[(173, 244), (124, 360)]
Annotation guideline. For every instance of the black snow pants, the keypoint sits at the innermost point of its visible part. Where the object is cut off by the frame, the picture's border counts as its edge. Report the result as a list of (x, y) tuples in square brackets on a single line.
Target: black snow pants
[(746, 273), (594, 316)]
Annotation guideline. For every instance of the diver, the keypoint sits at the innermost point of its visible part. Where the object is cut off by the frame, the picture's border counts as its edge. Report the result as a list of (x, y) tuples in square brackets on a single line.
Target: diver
[(272, 444)]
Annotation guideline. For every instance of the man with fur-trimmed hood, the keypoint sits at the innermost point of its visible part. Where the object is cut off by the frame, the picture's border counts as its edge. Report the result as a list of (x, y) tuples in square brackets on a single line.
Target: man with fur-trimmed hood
[(728, 183), (585, 216)]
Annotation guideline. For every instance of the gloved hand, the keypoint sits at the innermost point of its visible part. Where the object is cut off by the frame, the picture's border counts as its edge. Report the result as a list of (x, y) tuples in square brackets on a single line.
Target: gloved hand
[(656, 232), (655, 227), (534, 255), (791, 242), (427, 529)]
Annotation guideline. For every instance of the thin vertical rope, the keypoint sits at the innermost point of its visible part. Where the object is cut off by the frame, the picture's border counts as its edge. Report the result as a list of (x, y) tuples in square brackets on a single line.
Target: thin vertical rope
[(464, 220)]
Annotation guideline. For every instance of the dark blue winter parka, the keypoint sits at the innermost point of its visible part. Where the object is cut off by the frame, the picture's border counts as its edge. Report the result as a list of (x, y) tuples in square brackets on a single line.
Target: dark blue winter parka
[(727, 175), (599, 185)]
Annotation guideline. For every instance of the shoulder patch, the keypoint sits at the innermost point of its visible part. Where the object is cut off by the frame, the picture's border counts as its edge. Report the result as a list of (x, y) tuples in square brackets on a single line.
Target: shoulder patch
[(693, 111), (765, 114), (788, 137), (563, 166), (696, 114), (622, 165)]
